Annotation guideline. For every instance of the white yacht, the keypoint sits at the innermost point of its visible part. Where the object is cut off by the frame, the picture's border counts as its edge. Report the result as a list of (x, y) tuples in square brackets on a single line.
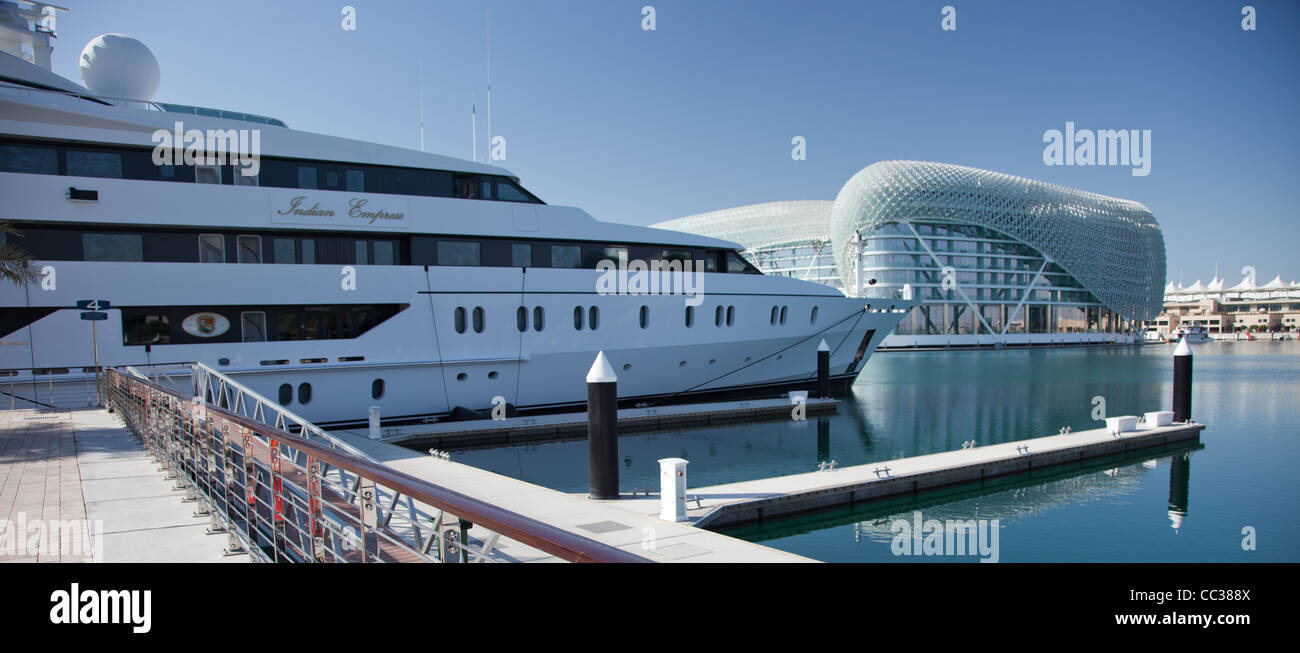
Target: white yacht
[(346, 274), (1194, 334)]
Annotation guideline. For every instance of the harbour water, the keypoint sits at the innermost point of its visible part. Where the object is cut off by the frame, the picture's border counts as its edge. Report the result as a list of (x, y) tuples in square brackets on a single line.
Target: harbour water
[(913, 403)]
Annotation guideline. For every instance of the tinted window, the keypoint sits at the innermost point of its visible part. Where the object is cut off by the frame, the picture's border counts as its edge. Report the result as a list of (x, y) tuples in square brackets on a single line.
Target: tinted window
[(212, 248), (357, 184), (459, 322), (112, 247), (284, 250), (478, 319), (286, 394), (254, 326), (458, 253), (566, 256), (539, 317), (521, 255), (38, 160), (384, 253), (509, 192), (306, 177), (250, 249), (95, 164)]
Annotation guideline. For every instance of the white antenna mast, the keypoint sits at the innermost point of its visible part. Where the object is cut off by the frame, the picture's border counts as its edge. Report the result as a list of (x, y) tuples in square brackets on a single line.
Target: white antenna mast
[(489, 72), (473, 124), (422, 105)]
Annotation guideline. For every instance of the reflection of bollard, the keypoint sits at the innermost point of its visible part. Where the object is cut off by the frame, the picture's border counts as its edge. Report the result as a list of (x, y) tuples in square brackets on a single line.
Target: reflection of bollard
[(823, 370), (823, 439), (1183, 382), (602, 429), (374, 422), (672, 489), (1179, 475)]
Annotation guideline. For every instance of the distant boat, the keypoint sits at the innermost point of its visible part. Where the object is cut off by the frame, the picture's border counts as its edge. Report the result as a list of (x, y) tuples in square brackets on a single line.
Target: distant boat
[(1193, 335)]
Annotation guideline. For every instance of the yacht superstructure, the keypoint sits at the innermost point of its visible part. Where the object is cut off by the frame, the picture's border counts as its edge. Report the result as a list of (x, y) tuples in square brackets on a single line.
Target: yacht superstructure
[(346, 274)]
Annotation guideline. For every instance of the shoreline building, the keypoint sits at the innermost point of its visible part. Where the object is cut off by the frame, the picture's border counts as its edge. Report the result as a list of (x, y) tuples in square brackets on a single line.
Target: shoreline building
[(1227, 312), (996, 259)]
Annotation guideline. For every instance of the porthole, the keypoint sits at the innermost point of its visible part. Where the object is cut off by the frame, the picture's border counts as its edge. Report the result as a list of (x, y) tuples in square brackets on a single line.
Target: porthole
[(376, 388), (627, 366), (645, 316), (593, 318), (748, 358), (521, 319), (286, 394), (478, 319), (731, 314), (462, 376), (783, 308), (812, 319), (773, 318), (717, 315), (223, 361), (493, 374), (304, 393), (712, 361), (682, 364), (539, 318), (459, 321), (690, 316), (577, 317)]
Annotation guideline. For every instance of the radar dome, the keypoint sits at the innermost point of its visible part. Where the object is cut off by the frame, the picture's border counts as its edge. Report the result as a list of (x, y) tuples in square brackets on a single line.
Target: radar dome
[(116, 65)]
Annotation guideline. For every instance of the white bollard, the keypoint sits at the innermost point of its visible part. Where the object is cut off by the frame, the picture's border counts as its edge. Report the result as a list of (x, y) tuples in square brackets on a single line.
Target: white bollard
[(672, 488), (374, 422)]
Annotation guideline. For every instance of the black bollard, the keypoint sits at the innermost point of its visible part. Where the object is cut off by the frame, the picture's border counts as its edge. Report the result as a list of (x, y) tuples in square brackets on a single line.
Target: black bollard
[(823, 370), (602, 429), (1183, 382)]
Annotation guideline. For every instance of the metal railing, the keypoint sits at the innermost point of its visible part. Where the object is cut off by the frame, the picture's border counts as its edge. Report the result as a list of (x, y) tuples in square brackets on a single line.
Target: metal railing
[(308, 497)]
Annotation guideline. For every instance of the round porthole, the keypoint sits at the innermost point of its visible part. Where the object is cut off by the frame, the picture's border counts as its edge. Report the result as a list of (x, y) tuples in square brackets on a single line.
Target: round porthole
[(627, 366), (462, 376), (286, 394), (304, 393), (493, 374), (682, 364), (712, 361)]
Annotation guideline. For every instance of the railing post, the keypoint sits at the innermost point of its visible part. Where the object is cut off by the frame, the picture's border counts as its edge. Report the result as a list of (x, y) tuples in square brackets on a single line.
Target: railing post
[(277, 492), (250, 490), (314, 502)]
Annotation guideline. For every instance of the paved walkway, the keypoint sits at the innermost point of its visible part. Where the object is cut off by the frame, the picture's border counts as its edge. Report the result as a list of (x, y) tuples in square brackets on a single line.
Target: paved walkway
[(82, 465)]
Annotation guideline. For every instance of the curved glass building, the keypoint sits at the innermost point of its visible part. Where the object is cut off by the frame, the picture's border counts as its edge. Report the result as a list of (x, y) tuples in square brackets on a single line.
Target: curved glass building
[(996, 259)]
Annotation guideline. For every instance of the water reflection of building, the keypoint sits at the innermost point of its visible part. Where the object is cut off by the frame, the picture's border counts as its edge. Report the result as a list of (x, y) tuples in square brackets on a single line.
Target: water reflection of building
[(996, 259)]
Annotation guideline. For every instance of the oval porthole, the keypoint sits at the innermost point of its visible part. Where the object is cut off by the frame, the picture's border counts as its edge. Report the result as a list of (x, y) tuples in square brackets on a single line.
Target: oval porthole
[(459, 315), (682, 364), (304, 393), (690, 316), (539, 318), (712, 361), (376, 388), (731, 314), (717, 315), (493, 374), (577, 318), (593, 318), (783, 314), (286, 394), (645, 316), (462, 376), (521, 319), (772, 319), (478, 319), (812, 319), (627, 366)]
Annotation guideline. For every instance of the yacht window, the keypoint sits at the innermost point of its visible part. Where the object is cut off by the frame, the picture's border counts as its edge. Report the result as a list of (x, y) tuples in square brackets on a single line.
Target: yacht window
[(678, 255), (112, 247), (212, 248), (284, 251), (384, 252), (361, 253), (478, 319), (539, 318), (467, 187), (242, 179), (250, 249), (772, 319), (286, 394), (717, 315), (486, 184), (593, 255), (287, 326), (710, 262), (306, 176), (577, 317), (812, 319), (521, 255), (783, 309), (356, 181), (376, 388), (167, 171), (690, 316), (141, 329), (207, 174), (95, 164), (308, 251), (304, 393), (645, 316), (36, 160), (452, 252), (331, 179), (593, 318), (254, 326), (566, 256), (392, 184), (508, 192), (736, 264), (521, 319), (459, 316), (731, 314)]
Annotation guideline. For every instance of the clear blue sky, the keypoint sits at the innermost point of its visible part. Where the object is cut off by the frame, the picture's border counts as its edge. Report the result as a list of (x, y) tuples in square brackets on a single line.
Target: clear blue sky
[(641, 126)]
